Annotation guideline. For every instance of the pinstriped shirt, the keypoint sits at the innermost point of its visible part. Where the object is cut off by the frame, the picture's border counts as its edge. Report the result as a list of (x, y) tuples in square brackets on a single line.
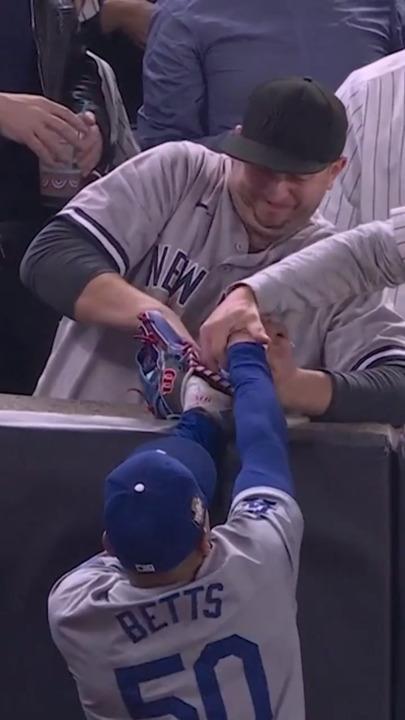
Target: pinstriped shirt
[(373, 181)]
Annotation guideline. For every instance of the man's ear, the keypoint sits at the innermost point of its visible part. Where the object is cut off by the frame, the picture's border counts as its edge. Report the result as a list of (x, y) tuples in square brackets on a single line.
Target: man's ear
[(335, 169), (237, 130), (107, 545)]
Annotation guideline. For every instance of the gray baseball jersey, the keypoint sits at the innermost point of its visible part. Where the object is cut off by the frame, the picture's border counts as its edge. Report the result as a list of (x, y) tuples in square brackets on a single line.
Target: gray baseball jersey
[(167, 220), (226, 645), (352, 264)]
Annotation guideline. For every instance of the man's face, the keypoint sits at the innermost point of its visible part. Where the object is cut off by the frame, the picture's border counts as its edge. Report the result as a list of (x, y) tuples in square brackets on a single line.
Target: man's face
[(274, 205)]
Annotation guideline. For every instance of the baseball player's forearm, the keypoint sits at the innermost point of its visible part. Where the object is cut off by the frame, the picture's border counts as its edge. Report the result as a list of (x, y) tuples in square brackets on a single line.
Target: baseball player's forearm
[(261, 432), (359, 261)]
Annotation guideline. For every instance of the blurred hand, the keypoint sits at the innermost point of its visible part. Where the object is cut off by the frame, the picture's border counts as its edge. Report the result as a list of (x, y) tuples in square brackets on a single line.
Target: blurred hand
[(149, 303), (307, 392), (41, 125), (238, 312), (280, 356), (91, 145)]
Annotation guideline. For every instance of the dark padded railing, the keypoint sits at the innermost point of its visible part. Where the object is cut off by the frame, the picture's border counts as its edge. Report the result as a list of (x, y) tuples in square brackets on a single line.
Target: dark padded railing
[(54, 457)]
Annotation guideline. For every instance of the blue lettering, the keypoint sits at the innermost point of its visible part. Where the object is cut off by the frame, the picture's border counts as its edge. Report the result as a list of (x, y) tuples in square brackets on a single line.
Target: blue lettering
[(175, 271), (177, 279), (150, 618), (131, 626), (193, 592), (215, 602), (156, 265), (188, 284), (172, 606)]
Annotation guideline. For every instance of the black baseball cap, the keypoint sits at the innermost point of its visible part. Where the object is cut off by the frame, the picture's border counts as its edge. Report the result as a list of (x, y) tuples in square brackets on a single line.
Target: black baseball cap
[(291, 125)]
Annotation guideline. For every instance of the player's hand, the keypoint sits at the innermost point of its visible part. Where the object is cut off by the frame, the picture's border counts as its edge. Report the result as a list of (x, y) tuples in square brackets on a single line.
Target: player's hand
[(238, 312), (41, 125), (91, 145)]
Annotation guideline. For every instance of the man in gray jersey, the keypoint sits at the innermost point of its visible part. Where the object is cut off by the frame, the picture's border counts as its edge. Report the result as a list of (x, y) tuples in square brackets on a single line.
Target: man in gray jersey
[(175, 227), (176, 620)]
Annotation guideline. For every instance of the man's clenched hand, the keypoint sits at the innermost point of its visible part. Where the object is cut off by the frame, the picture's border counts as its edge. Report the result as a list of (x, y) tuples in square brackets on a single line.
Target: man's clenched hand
[(238, 312)]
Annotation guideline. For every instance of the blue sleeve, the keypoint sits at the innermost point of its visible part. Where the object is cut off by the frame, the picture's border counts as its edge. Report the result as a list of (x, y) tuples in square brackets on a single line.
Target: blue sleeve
[(261, 430), (173, 84)]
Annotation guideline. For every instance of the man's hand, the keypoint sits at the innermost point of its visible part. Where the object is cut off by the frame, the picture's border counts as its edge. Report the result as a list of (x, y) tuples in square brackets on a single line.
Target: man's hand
[(280, 356), (308, 392), (41, 125), (91, 146), (238, 312), (147, 303)]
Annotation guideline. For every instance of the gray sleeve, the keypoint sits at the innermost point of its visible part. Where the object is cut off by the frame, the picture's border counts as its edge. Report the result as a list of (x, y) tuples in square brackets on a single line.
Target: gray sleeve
[(339, 268), (61, 261), (272, 522), (373, 395)]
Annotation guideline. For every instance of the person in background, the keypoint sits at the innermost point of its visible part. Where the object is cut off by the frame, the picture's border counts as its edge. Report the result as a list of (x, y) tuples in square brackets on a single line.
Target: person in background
[(117, 30), (204, 57), (33, 128), (372, 181)]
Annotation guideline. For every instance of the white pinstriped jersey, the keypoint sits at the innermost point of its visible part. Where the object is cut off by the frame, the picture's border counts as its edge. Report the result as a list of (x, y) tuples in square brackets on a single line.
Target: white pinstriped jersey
[(373, 181), (167, 221), (223, 646)]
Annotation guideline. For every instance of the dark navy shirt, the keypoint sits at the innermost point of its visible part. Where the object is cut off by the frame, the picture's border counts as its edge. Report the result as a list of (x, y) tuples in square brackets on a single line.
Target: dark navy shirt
[(204, 57), (19, 192)]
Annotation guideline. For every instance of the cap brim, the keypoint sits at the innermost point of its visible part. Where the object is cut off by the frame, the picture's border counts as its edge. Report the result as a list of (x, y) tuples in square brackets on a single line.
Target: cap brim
[(242, 148)]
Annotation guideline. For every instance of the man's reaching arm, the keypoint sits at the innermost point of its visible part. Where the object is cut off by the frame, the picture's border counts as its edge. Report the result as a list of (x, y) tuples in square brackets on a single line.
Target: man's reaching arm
[(357, 262), (81, 261), (80, 280)]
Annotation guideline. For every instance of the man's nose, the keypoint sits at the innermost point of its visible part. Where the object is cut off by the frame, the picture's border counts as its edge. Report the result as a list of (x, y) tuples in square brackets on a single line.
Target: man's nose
[(277, 187)]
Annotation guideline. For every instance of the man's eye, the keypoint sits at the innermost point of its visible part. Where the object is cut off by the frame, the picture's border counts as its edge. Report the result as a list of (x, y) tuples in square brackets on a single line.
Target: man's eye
[(300, 178)]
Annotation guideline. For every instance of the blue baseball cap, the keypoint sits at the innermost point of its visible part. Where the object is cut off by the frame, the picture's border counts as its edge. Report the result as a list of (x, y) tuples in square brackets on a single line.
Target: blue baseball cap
[(156, 503)]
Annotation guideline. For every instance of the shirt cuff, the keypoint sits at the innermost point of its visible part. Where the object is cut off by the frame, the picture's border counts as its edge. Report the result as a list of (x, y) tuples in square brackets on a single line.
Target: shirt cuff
[(267, 294)]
